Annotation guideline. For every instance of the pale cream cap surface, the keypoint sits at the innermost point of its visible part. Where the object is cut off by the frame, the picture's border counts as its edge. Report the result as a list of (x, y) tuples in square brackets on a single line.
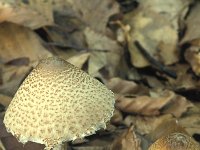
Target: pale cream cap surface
[(58, 102)]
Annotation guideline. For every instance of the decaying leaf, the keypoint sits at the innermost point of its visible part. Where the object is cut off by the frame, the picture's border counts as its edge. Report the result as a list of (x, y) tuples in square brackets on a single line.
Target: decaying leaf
[(5, 100), (100, 38), (182, 103), (192, 21), (97, 20), (12, 78), (145, 125), (127, 88), (152, 25), (152, 105), (166, 127), (35, 14), (191, 123), (117, 117), (142, 105), (17, 41), (104, 52), (184, 79), (79, 60), (192, 56), (127, 141)]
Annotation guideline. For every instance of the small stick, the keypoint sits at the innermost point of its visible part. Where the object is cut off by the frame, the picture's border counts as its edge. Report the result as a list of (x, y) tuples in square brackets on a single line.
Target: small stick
[(160, 67)]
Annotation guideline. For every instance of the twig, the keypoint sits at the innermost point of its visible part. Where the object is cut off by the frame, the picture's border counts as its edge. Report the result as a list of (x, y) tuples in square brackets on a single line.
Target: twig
[(156, 64)]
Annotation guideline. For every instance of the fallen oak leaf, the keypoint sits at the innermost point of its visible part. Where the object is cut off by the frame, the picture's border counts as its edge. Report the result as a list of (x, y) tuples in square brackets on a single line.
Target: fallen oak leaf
[(103, 11), (180, 101), (35, 14), (191, 123), (117, 117), (146, 124), (125, 87), (144, 105), (18, 41), (127, 141), (192, 56), (105, 52), (79, 60)]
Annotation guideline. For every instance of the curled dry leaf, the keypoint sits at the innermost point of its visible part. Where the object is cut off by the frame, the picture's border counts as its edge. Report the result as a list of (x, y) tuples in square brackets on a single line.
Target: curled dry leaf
[(192, 56), (125, 87), (127, 141), (158, 102), (35, 14), (17, 41), (145, 105), (191, 123), (145, 125), (159, 37), (182, 103)]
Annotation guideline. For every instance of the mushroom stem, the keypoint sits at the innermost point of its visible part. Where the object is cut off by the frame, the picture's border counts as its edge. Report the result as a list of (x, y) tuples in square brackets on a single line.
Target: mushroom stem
[(60, 147), (57, 147)]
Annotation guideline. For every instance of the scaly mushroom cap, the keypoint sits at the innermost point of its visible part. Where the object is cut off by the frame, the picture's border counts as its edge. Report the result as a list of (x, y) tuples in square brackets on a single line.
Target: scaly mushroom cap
[(175, 141), (58, 102)]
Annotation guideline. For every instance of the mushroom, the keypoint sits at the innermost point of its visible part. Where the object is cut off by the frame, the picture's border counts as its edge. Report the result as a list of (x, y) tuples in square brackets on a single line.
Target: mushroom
[(175, 141), (58, 102)]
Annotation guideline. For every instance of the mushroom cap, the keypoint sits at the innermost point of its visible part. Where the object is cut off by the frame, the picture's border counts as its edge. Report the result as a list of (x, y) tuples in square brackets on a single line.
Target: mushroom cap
[(175, 141), (58, 102)]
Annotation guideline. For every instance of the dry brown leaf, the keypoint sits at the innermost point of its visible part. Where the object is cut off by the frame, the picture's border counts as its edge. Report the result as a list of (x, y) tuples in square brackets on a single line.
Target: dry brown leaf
[(12, 78), (17, 41), (192, 22), (104, 52), (125, 87), (101, 11), (166, 127), (191, 123), (184, 79), (182, 103), (145, 125), (154, 82), (127, 141), (117, 117), (154, 24), (35, 14), (5, 100), (192, 56), (145, 105), (79, 60)]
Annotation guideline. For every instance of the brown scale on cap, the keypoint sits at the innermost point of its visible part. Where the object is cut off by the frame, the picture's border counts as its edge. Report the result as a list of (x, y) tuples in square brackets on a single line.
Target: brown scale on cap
[(175, 141), (58, 102)]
